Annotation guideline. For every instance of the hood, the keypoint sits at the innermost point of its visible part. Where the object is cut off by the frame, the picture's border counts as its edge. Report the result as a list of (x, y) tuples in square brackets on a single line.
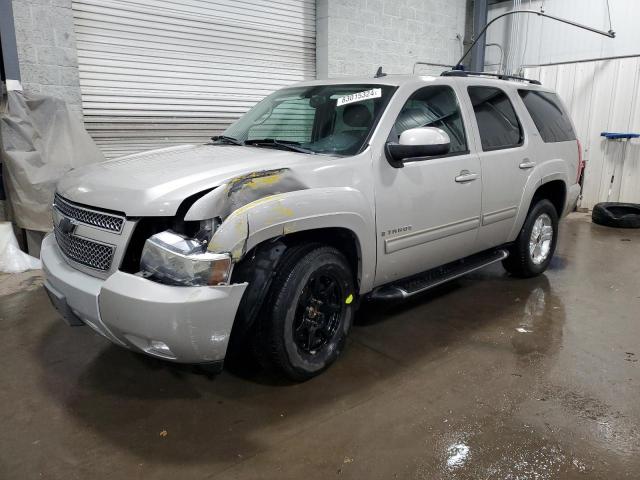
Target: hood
[(155, 183)]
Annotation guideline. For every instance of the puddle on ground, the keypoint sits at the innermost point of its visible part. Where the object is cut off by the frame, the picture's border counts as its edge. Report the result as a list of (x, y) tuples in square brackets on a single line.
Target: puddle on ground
[(494, 449), (539, 329)]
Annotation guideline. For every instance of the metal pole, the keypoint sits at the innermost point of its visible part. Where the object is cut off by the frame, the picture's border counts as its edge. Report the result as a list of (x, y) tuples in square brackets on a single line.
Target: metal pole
[(584, 60), (480, 13), (610, 33), (9, 47)]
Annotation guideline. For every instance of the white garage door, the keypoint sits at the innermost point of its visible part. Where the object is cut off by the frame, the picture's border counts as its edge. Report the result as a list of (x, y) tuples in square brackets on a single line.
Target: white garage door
[(155, 73)]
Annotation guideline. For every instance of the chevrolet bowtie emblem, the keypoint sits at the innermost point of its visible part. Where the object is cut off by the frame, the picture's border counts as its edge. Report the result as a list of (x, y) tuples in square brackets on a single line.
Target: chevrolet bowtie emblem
[(67, 225)]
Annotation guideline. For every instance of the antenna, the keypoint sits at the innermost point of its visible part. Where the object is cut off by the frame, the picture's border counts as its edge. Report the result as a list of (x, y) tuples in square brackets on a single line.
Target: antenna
[(379, 73)]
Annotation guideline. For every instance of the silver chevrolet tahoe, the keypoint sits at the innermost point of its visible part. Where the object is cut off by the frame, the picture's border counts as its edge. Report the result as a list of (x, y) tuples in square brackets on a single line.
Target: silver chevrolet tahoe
[(324, 194)]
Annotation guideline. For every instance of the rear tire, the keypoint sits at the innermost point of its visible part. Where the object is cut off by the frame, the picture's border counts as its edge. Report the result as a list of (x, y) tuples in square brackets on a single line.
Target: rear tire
[(308, 313), (532, 251)]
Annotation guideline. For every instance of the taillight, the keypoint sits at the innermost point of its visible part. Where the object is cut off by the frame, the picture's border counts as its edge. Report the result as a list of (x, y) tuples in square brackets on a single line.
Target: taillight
[(580, 162)]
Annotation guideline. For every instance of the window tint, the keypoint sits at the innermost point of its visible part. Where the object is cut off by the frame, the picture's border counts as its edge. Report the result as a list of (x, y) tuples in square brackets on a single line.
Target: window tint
[(547, 113), (497, 120), (435, 106)]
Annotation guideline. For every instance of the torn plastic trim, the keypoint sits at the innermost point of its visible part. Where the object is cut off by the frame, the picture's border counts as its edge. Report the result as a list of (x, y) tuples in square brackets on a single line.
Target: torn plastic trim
[(257, 270)]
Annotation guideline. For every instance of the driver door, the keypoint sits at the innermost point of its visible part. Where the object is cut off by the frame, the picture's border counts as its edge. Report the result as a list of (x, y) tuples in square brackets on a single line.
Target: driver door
[(428, 211)]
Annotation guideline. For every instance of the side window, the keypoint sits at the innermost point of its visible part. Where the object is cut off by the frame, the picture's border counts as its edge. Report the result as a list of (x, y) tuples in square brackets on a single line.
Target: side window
[(435, 106), (547, 113), (497, 120), (291, 120)]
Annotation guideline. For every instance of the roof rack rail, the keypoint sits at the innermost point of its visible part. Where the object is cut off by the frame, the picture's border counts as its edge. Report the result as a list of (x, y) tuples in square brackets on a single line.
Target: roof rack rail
[(501, 76)]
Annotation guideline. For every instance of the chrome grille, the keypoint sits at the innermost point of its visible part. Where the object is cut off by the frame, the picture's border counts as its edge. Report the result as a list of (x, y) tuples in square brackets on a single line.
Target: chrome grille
[(106, 221), (87, 252)]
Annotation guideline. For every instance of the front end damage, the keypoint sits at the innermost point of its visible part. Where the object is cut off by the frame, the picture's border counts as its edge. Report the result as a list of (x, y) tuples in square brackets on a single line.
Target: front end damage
[(177, 284), (181, 324), (245, 205), (163, 313)]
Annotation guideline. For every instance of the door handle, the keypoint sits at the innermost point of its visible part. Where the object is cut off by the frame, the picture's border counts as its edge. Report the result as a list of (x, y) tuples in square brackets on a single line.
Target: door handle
[(526, 164), (466, 176)]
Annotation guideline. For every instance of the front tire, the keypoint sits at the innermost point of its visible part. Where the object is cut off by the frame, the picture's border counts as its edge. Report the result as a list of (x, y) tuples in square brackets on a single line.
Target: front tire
[(308, 312), (533, 249)]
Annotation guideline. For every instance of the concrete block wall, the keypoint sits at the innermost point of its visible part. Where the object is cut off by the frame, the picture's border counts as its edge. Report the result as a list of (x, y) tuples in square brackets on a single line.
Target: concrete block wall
[(47, 49), (354, 37)]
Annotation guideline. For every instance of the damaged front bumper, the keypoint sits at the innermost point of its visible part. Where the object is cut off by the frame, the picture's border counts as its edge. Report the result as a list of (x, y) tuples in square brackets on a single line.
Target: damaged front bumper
[(181, 324)]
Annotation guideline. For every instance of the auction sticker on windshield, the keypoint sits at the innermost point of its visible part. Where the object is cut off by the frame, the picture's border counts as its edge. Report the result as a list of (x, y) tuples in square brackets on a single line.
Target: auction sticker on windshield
[(359, 96)]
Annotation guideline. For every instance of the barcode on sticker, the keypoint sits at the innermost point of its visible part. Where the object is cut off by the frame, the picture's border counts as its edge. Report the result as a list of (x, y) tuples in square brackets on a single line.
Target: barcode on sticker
[(359, 96)]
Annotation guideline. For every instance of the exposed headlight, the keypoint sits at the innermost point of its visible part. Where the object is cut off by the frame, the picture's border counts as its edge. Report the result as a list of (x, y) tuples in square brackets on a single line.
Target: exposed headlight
[(174, 259)]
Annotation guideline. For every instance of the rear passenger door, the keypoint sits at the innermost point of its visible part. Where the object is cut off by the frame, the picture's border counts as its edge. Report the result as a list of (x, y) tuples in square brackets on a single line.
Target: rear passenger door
[(505, 160)]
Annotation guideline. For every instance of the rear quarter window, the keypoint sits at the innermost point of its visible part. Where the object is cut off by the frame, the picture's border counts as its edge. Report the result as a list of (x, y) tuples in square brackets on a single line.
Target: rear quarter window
[(551, 120)]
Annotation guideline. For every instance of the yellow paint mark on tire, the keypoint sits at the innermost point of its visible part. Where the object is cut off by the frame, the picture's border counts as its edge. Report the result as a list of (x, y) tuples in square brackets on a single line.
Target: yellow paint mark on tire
[(349, 299)]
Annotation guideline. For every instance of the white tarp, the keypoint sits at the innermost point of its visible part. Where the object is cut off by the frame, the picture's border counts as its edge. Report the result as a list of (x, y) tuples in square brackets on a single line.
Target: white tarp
[(12, 259), (41, 141)]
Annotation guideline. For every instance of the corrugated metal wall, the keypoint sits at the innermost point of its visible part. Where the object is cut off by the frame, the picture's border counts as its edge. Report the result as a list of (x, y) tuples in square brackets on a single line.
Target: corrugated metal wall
[(602, 96), (164, 72)]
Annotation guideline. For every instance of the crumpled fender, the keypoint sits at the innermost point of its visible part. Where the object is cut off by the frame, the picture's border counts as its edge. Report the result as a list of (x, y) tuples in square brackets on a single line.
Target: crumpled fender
[(242, 190), (284, 213)]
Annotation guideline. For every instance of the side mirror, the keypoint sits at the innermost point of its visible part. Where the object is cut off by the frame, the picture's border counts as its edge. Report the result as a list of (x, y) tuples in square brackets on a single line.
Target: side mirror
[(415, 143)]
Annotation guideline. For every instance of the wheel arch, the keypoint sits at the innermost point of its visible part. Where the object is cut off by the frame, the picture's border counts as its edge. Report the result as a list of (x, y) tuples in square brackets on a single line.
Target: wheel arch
[(339, 216), (555, 191), (258, 267), (552, 187), (343, 239)]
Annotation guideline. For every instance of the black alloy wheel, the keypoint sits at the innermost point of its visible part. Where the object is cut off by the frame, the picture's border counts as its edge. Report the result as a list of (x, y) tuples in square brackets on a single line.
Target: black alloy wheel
[(308, 313)]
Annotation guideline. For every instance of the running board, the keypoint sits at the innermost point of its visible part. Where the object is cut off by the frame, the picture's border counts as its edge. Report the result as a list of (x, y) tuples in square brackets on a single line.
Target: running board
[(421, 282)]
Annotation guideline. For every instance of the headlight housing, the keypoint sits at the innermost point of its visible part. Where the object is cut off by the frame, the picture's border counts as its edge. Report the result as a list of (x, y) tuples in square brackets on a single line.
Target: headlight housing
[(174, 259)]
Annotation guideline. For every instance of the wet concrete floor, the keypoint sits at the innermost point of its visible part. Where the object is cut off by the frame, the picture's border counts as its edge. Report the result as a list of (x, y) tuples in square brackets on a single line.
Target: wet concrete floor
[(487, 378)]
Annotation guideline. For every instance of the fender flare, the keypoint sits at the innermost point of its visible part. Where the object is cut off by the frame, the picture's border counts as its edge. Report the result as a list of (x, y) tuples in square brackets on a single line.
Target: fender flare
[(546, 173)]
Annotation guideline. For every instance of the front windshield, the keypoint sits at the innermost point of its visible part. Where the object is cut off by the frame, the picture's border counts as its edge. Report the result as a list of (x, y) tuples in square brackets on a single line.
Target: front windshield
[(330, 119)]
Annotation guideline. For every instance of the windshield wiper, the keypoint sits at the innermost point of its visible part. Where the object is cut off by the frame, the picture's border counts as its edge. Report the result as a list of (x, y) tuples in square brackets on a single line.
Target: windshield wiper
[(224, 138), (272, 142)]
